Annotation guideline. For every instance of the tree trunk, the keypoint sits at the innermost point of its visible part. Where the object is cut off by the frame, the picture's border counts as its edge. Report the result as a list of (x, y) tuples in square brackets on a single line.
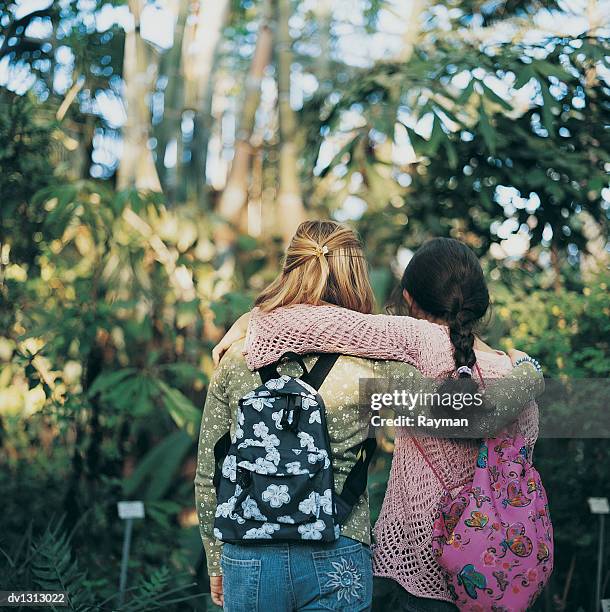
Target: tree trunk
[(235, 194), (324, 13), (200, 51), (137, 168), (290, 210), (170, 128)]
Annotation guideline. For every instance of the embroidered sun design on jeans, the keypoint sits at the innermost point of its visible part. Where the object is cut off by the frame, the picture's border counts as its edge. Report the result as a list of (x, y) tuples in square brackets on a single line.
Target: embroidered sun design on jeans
[(346, 580)]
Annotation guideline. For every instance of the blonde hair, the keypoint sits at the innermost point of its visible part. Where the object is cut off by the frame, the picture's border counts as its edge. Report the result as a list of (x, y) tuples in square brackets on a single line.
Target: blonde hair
[(324, 262)]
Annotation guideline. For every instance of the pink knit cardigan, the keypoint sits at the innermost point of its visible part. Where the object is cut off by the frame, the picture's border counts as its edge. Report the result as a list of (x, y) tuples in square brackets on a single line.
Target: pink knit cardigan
[(403, 531)]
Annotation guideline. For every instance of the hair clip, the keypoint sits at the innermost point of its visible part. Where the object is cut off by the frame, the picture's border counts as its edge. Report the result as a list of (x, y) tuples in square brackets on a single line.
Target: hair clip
[(464, 370), (321, 250)]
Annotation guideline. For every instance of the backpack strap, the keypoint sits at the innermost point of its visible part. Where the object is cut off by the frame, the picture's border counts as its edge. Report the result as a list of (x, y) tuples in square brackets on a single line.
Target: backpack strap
[(478, 369), (314, 377), (320, 370), (428, 461), (270, 371), (221, 450), (356, 481), (423, 452)]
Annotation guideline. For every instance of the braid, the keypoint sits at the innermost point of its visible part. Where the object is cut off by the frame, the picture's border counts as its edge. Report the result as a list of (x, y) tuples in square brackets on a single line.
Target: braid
[(444, 279), (461, 334)]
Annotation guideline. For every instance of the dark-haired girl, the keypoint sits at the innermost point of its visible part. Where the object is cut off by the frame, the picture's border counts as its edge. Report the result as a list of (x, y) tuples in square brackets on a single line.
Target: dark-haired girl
[(445, 292)]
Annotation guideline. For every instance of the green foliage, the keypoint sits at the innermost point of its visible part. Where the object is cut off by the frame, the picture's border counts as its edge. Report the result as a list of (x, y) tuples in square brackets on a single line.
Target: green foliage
[(490, 12), (25, 167), (53, 568), (156, 593), (103, 347), (157, 469), (117, 290), (110, 302), (230, 307), (131, 392), (569, 332), (552, 152), (48, 563), (16, 46)]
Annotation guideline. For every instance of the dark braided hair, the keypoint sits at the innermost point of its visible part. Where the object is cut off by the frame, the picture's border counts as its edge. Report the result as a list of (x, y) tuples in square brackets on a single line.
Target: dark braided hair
[(445, 280)]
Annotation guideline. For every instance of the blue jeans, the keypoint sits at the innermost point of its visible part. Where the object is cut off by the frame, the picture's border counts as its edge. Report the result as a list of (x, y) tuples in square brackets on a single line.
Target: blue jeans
[(295, 576)]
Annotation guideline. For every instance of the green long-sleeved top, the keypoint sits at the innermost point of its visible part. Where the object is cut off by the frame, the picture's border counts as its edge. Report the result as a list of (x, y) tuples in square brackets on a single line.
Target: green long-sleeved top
[(348, 422)]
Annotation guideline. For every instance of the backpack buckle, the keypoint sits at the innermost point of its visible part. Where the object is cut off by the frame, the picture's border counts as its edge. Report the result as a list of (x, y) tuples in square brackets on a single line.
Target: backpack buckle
[(291, 416), (243, 477), (285, 420)]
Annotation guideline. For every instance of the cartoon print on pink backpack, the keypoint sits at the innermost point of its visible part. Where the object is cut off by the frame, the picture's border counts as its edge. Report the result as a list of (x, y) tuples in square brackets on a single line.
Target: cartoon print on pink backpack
[(477, 520), (517, 541), (514, 496), (494, 539)]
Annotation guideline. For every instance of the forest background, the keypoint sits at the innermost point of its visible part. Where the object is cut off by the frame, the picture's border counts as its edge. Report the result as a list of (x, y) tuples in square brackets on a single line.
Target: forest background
[(154, 158)]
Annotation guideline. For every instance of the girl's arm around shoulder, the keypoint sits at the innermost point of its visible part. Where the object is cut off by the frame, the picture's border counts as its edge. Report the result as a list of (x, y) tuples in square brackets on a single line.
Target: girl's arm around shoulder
[(304, 328), (503, 399)]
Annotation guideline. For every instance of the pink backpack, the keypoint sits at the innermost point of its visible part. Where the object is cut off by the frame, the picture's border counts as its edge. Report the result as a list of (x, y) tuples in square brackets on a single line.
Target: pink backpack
[(494, 539)]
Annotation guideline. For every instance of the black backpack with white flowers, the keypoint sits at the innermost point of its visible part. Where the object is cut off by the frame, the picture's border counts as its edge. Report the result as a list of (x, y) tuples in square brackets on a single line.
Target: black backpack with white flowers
[(274, 477)]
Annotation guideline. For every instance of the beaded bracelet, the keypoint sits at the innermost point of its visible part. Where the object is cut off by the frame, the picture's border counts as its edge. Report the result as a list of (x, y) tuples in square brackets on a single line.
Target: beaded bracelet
[(531, 360)]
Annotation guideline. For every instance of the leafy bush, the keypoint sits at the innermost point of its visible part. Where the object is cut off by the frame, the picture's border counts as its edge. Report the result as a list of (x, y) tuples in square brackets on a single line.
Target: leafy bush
[(102, 382), (47, 563), (25, 168), (569, 332)]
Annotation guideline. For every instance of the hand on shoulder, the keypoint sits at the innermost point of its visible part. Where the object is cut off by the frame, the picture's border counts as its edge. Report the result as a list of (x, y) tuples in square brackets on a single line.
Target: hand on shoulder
[(237, 332), (515, 355)]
